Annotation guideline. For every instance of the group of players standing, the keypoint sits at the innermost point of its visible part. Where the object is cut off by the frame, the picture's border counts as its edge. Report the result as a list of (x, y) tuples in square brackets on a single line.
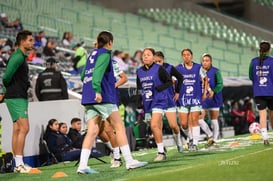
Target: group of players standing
[(194, 90)]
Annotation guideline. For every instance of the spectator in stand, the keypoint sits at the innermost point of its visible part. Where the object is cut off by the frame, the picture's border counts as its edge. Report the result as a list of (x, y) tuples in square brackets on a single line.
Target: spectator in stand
[(137, 58), (58, 145), (38, 60), (49, 49), (118, 57), (3, 60), (10, 24), (50, 84), (31, 55), (67, 38), (6, 52), (75, 132), (250, 113), (79, 59), (40, 39), (238, 119)]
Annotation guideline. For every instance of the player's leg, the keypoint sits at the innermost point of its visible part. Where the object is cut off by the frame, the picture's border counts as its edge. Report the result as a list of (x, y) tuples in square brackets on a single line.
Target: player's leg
[(122, 141), (109, 130), (183, 118), (214, 114), (194, 117), (203, 125), (172, 120), (18, 109), (156, 127), (89, 139)]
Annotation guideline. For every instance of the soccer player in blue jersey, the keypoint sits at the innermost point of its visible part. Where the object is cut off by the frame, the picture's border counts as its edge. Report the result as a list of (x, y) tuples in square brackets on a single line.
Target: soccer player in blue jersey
[(170, 112), (153, 82), (190, 96), (214, 98), (261, 74), (99, 97)]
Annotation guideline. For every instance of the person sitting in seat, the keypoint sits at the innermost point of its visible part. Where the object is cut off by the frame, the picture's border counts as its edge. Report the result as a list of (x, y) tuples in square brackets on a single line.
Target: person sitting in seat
[(74, 132), (57, 144)]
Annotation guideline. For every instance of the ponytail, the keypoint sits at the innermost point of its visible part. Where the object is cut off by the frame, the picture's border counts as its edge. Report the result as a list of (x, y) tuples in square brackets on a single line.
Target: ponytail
[(264, 49)]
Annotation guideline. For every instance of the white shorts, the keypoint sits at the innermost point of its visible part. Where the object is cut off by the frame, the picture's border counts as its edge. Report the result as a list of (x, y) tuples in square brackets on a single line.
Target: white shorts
[(103, 110), (171, 109), (148, 116), (213, 109), (189, 109)]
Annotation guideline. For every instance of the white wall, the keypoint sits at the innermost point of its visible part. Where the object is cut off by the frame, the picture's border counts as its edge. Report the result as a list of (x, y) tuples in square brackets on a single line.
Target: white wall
[(39, 114)]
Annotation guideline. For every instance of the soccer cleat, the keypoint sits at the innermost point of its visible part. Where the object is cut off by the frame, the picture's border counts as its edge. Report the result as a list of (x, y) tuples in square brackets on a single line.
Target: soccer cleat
[(22, 169), (180, 149), (116, 163), (190, 144), (210, 142), (266, 142), (135, 164), (193, 148), (160, 157), (186, 147), (86, 170)]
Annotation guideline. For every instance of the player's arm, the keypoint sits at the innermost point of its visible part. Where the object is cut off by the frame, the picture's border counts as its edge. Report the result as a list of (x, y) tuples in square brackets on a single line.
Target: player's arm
[(139, 93), (219, 83), (101, 65), (13, 64), (100, 68), (123, 79), (204, 79), (178, 83), (165, 79), (250, 71), (117, 72)]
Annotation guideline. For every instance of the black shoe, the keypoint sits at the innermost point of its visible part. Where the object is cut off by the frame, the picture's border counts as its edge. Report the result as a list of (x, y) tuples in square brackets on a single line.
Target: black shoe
[(266, 142)]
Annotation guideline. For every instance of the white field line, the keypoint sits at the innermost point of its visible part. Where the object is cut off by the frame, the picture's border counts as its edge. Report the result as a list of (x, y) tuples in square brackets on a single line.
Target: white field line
[(199, 165), (242, 156)]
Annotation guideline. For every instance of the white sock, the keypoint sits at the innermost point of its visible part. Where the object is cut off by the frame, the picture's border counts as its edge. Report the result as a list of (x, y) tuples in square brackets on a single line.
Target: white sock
[(264, 133), (204, 126), (190, 134), (85, 153), (160, 147), (195, 134), (215, 125), (116, 153), (187, 132), (125, 150), (177, 138), (18, 160), (108, 144)]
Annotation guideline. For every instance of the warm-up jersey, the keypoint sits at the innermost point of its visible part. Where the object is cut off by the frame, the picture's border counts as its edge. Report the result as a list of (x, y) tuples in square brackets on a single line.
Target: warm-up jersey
[(191, 90), (109, 94), (262, 77), (217, 99), (151, 97)]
